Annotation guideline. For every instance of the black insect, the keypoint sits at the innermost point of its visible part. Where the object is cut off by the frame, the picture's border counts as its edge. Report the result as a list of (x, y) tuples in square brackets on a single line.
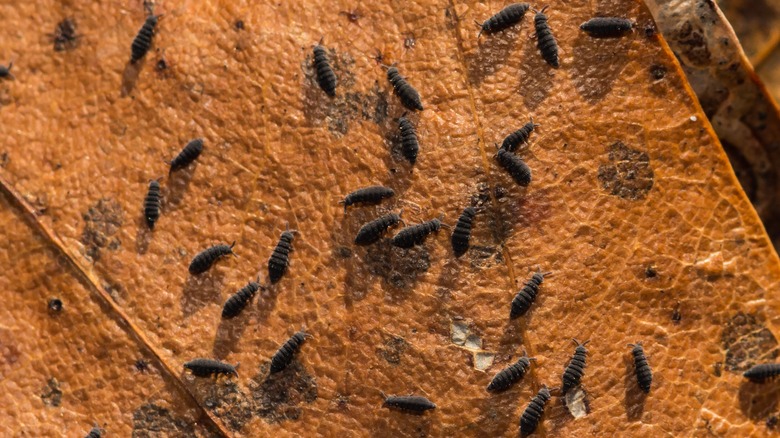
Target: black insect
[(644, 375), (416, 234), (236, 303), (408, 95), (206, 258), (759, 373), (284, 355), (5, 72), (408, 403), (373, 231), (409, 144), (187, 155), (367, 195), (95, 432), (511, 374), (210, 367), (280, 258), (607, 27), (462, 232), (516, 167), (143, 41), (505, 18), (576, 368), (152, 204), (325, 75), (527, 295), (532, 415), (545, 40), (513, 140)]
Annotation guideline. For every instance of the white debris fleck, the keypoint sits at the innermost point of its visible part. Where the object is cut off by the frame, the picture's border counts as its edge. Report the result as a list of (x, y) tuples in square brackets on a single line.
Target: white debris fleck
[(694, 118), (483, 360), (576, 402), (458, 332)]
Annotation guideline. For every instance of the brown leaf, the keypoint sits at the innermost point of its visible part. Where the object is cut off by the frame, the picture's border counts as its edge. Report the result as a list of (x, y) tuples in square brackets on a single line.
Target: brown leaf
[(628, 179)]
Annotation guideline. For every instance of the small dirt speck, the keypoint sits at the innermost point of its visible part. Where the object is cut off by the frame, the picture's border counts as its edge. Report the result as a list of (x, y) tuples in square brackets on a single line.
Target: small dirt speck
[(65, 37), (657, 72), (51, 393), (399, 267), (55, 305)]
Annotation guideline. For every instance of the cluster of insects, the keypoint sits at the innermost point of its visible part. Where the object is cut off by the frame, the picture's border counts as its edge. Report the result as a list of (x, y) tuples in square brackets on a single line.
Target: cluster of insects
[(411, 235)]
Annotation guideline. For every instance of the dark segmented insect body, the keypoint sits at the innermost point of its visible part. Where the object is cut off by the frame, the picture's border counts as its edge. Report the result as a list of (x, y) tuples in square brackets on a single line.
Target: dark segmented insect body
[(187, 155), (367, 195), (280, 258), (516, 167), (408, 95), (206, 258), (509, 375), (758, 373), (409, 144), (284, 355), (95, 432), (532, 415), (143, 41), (325, 75), (505, 18), (607, 27), (409, 403), (576, 368), (236, 303), (462, 232), (152, 204), (5, 72), (545, 40), (210, 367), (416, 234), (520, 136), (644, 375), (527, 295), (373, 231)]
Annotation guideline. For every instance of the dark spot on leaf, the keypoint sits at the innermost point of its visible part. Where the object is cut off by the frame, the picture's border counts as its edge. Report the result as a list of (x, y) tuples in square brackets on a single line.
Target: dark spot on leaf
[(343, 252), (747, 342), (228, 403), (141, 365), (627, 174), (399, 267), (676, 314), (277, 396), (239, 24), (51, 393), (717, 369), (392, 350), (771, 422), (650, 272), (101, 222), (151, 420)]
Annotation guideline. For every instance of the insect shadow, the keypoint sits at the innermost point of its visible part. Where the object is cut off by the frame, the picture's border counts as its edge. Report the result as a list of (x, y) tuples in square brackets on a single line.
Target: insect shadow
[(130, 76), (635, 397), (144, 235), (596, 65), (535, 78), (199, 290), (759, 400), (491, 54), (177, 187)]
